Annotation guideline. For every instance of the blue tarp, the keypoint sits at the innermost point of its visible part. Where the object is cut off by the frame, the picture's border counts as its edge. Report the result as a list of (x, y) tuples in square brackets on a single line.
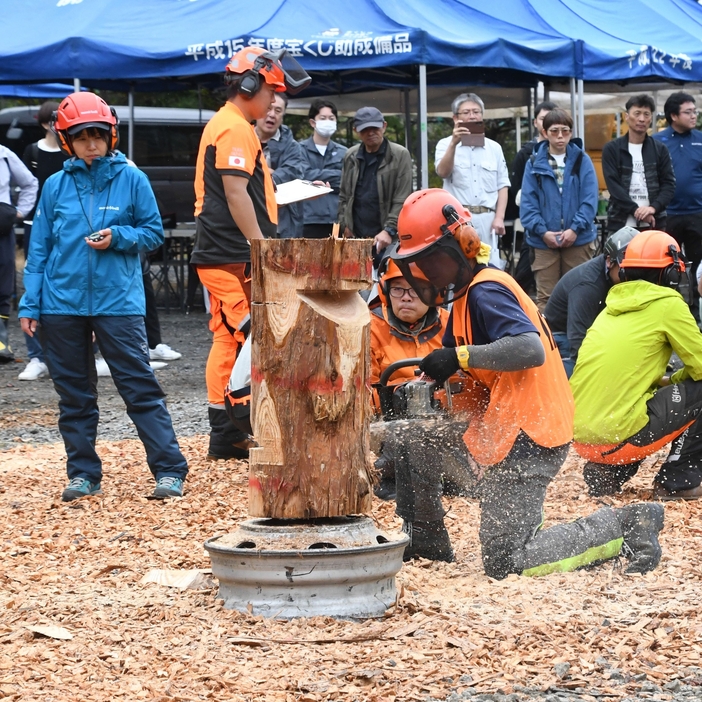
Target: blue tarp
[(380, 41), (37, 90), (100, 40)]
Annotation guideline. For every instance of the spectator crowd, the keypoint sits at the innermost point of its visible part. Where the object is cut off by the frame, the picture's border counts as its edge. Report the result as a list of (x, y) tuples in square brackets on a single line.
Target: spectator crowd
[(593, 344)]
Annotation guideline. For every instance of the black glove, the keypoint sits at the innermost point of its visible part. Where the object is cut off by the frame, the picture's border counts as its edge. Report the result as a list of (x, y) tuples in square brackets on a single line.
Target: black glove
[(440, 365)]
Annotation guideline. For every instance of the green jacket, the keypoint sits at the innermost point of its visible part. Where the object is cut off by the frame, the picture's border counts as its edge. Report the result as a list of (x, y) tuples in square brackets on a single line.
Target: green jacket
[(625, 354), (394, 185)]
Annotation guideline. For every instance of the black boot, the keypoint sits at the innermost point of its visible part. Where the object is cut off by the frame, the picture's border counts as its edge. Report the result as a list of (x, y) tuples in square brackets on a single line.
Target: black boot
[(603, 479), (428, 540), (226, 441), (6, 355), (385, 489), (640, 526)]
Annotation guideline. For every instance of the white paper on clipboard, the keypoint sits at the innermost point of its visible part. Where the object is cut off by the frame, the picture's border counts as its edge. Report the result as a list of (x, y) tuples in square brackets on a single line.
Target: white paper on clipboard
[(296, 190)]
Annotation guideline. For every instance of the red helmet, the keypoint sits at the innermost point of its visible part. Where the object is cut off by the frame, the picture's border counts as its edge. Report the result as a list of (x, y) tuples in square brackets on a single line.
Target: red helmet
[(434, 232), (426, 217), (652, 249), (278, 69), (81, 111)]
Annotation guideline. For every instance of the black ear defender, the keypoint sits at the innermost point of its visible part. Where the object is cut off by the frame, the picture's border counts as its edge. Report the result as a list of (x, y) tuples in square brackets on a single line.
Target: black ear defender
[(250, 81), (451, 216)]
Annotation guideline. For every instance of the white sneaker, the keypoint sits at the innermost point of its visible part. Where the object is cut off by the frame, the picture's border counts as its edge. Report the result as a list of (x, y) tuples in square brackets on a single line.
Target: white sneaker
[(103, 370), (157, 365), (163, 352), (35, 369)]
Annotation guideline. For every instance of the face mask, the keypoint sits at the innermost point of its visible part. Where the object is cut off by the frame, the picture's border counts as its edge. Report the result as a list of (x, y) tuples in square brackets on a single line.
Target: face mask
[(325, 127)]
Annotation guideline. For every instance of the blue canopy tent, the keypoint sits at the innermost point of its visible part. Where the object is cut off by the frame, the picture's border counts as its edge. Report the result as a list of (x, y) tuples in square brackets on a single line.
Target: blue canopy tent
[(375, 43), (344, 48), (36, 90)]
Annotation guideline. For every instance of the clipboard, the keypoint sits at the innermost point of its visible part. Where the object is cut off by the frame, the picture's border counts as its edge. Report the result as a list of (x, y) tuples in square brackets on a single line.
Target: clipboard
[(297, 190)]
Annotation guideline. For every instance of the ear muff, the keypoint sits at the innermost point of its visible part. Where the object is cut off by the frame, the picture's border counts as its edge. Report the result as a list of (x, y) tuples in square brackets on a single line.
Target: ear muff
[(60, 136), (468, 240), (249, 83), (622, 275)]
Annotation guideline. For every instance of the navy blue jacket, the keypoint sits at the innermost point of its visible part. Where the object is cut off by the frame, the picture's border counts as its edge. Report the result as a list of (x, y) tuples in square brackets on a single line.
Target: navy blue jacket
[(545, 208), (686, 155)]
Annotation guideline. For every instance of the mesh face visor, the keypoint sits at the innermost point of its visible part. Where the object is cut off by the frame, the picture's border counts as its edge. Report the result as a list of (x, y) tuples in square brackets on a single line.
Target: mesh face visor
[(296, 78), (447, 271)]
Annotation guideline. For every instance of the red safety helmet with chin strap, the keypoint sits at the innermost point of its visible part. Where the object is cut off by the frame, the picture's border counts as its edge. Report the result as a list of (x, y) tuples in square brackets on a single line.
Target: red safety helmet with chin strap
[(278, 69), (434, 232), (80, 111)]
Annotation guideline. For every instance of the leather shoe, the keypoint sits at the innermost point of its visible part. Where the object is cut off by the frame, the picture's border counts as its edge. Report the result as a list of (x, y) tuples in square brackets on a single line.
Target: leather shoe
[(661, 493)]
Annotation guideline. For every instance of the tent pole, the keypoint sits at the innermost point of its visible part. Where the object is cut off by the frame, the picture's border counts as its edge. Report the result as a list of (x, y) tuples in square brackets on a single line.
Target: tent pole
[(76, 85), (618, 118), (581, 110), (130, 126), (573, 112), (518, 131), (423, 136)]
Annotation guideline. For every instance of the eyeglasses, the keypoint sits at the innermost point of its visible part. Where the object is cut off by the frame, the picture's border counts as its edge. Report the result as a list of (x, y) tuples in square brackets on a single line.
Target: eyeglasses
[(555, 131), (470, 113), (636, 114), (689, 112), (398, 293)]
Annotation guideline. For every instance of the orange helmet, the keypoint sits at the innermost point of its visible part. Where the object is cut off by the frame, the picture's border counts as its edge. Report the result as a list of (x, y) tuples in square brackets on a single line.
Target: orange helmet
[(434, 233), (388, 270), (278, 69), (652, 249), (657, 250), (81, 111)]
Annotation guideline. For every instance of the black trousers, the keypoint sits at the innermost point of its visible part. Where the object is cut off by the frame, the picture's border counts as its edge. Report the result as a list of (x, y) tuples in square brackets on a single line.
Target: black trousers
[(670, 409), (153, 327), (687, 231)]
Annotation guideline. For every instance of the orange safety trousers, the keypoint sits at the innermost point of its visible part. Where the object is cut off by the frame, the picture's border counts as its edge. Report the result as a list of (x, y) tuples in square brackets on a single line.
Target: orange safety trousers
[(229, 287)]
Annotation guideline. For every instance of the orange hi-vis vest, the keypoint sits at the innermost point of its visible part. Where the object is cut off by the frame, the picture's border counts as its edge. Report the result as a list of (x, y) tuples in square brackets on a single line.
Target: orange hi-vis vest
[(537, 401)]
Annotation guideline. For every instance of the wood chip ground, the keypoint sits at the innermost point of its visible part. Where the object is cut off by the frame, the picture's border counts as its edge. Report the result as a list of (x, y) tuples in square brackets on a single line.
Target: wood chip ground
[(75, 569)]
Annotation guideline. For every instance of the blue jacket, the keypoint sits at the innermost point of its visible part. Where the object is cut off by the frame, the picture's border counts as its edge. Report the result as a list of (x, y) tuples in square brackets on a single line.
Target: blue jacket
[(327, 168), (287, 163), (686, 155), (66, 276), (545, 208)]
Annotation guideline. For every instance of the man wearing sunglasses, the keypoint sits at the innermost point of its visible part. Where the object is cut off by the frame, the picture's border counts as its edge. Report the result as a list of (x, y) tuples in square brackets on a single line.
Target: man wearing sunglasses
[(522, 410), (684, 143)]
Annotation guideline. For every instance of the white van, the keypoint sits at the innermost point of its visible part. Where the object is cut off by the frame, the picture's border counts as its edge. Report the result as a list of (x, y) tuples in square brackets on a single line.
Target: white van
[(166, 142)]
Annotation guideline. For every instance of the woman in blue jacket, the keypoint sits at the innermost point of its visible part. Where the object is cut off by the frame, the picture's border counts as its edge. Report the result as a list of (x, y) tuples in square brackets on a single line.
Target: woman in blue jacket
[(558, 205), (83, 277)]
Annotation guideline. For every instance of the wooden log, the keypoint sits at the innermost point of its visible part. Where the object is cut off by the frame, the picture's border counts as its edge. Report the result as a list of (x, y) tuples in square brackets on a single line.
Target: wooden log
[(310, 397)]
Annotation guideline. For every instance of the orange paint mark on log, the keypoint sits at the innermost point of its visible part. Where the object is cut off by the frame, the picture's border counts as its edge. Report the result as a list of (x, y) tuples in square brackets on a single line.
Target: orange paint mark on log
[(321, 386)]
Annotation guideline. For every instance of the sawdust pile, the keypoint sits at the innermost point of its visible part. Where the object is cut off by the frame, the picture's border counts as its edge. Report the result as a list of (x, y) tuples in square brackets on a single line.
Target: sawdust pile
[(75, 622)]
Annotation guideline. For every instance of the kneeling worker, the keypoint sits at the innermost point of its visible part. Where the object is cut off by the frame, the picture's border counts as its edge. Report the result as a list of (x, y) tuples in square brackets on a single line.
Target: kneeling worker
[(579, 296), (625, 407), (403, 327), (519, 438)]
